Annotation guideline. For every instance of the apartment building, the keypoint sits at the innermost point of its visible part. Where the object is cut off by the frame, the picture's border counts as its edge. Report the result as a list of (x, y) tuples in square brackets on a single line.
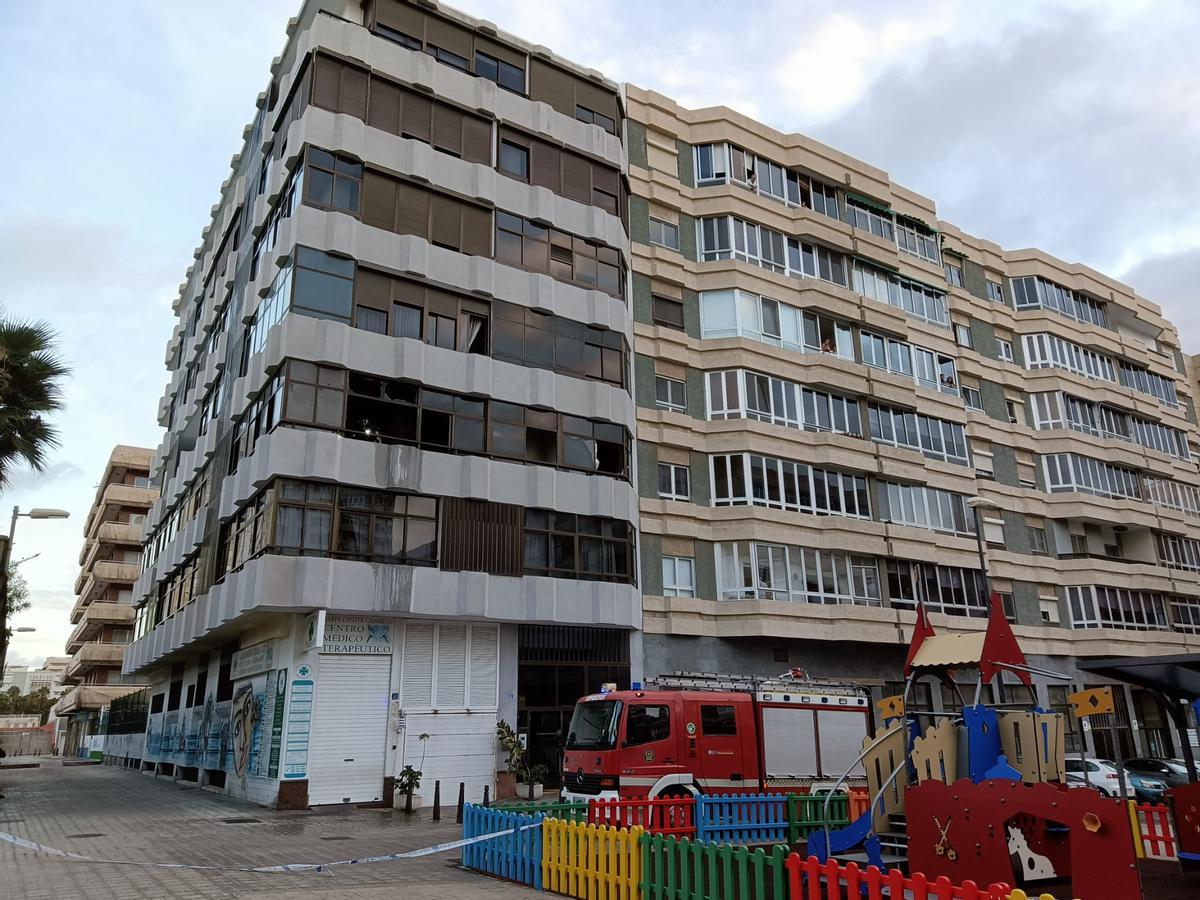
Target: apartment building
[(832, 384), (494, 381), (103, 614), (397, 498)]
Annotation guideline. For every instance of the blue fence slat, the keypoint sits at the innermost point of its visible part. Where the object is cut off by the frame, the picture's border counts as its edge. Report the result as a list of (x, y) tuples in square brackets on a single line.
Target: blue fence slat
[(516, 856), (744, 819)]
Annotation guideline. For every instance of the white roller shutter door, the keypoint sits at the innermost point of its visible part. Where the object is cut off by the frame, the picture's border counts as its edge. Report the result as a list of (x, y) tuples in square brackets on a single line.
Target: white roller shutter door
[(349, 729), (452, 668), (842, 733), (789, 742)]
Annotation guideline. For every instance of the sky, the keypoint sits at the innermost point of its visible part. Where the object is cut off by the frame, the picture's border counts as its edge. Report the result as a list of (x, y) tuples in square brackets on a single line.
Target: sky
[(1068, 126)]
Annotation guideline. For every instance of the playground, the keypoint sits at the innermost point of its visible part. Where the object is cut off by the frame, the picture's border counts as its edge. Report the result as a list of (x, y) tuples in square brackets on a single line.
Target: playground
[(973, 804)]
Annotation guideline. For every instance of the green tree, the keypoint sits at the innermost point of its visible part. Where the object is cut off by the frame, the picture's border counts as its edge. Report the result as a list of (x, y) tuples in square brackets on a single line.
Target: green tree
[(31, 372), (18, 599)]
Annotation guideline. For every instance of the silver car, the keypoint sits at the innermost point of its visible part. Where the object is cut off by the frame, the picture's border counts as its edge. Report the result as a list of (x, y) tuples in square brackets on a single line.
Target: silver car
[(1101, 774)]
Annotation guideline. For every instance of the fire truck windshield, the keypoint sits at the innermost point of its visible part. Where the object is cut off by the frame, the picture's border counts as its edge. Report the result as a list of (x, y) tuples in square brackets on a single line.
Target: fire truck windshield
[(594, 725)]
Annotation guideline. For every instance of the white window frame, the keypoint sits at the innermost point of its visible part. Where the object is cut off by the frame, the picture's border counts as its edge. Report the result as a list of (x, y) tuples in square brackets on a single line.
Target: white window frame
[(665, 231), (676, 472), (670, 403), (672, 568)]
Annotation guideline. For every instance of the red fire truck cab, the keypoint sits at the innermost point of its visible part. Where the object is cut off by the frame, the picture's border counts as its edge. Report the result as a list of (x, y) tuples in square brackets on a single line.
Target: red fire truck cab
[(705, 733)]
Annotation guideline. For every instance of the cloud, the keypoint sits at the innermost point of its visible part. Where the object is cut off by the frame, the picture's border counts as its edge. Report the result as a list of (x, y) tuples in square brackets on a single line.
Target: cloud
[(26, 480), (1173, 281), (1071, 133)]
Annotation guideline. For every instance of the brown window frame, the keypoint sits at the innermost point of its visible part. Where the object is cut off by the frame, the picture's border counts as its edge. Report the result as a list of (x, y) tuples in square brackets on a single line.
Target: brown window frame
[(404, 112), (423, 31), (564, 253), (658, 302), (408, 413), (341, 169), (557, 532), (256, 528)]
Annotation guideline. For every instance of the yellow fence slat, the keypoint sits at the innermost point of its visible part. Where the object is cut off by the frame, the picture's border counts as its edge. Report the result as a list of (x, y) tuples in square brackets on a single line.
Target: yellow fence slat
[(1136, 828), (591, 862)]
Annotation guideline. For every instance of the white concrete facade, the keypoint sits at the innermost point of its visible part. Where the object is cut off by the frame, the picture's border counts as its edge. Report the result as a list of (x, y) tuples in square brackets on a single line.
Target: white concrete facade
[(252, 689)]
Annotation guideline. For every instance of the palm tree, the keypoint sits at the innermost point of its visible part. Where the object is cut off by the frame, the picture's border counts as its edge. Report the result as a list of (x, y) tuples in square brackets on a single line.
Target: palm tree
[(30, 372)]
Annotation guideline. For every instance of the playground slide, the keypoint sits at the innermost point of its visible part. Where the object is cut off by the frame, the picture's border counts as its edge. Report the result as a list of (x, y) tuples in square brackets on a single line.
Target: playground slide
[(857, 834)]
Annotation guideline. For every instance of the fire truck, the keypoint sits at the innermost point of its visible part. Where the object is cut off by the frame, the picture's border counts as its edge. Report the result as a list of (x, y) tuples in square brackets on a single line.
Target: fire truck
[(701, 733)]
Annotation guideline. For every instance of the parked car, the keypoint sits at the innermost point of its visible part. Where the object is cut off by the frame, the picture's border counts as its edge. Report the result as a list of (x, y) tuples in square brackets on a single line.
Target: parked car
[(1147, 789), (1101, 774), (1171, 771)]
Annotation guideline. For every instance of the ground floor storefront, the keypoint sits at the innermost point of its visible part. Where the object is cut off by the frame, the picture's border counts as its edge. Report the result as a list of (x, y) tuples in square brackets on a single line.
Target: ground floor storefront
[(322, 709)]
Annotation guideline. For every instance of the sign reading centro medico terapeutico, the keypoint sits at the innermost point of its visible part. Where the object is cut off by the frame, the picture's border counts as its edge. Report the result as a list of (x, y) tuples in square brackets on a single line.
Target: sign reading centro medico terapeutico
[(357, 634)]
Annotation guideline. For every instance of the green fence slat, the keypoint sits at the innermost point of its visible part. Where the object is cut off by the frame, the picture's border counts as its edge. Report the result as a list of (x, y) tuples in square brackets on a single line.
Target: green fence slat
[(726, 862), (778, 855)]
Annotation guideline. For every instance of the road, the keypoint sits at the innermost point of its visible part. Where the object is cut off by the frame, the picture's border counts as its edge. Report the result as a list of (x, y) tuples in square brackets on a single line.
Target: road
[(117, 814)]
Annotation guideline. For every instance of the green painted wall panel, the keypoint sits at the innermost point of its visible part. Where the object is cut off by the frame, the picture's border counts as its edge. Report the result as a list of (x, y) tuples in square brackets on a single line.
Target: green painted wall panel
[(635, 143), (651, 558), (647, 466), (687, 174)]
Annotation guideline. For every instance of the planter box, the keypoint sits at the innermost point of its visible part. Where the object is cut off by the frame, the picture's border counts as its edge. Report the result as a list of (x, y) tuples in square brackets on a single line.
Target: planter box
[(401, 799), (523, 791), (506, 786)]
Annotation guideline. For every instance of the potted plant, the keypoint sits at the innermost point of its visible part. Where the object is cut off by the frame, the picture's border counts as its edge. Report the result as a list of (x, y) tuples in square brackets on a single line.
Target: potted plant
[(518, 758), (408, 781), (537, 776)]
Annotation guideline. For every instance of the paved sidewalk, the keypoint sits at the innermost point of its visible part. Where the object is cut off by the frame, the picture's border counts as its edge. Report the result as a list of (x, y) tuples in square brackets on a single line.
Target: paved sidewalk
[(122, 815)]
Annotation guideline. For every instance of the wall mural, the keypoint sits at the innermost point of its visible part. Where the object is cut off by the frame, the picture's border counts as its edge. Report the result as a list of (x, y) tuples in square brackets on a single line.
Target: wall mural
[(225, 735), (247, 713)]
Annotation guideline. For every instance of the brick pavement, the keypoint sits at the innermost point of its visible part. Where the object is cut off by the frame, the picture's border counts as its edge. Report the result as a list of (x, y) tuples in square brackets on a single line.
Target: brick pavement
[(122, 815)]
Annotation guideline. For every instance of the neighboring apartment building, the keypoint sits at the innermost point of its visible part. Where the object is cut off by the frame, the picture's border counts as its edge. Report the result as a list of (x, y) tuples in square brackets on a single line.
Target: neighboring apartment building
[(397, 484), (18, 677), (51, 675), (103, 614), (399, 499), (826, 375)]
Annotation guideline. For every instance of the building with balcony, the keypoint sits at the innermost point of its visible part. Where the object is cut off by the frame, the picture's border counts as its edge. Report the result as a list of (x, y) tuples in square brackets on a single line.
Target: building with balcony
[(473, 331), (103, 614), (397, 482), (828, 376)]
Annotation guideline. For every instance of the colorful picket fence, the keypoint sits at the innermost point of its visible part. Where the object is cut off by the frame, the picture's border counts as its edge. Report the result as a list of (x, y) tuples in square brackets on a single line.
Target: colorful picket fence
[(664, 815), (811, 879), (572, 812), (680, 869), (515, 854), (753, 819), (806, 814), (860, 802), (591, 862), (1153, 831)]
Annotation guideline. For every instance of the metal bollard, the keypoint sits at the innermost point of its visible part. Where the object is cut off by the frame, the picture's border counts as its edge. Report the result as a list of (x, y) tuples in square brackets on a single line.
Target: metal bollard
[(462, 800), (437, 801), (486, 791)]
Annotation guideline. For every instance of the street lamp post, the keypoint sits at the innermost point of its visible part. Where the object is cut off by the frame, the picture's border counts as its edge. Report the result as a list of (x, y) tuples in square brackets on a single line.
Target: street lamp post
[(6, 557)]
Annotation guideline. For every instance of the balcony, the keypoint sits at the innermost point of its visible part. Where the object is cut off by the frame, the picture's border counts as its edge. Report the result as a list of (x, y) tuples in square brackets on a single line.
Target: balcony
[(92, 697), (105, 573), (115, 496), (94, 655), (96, 617)]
